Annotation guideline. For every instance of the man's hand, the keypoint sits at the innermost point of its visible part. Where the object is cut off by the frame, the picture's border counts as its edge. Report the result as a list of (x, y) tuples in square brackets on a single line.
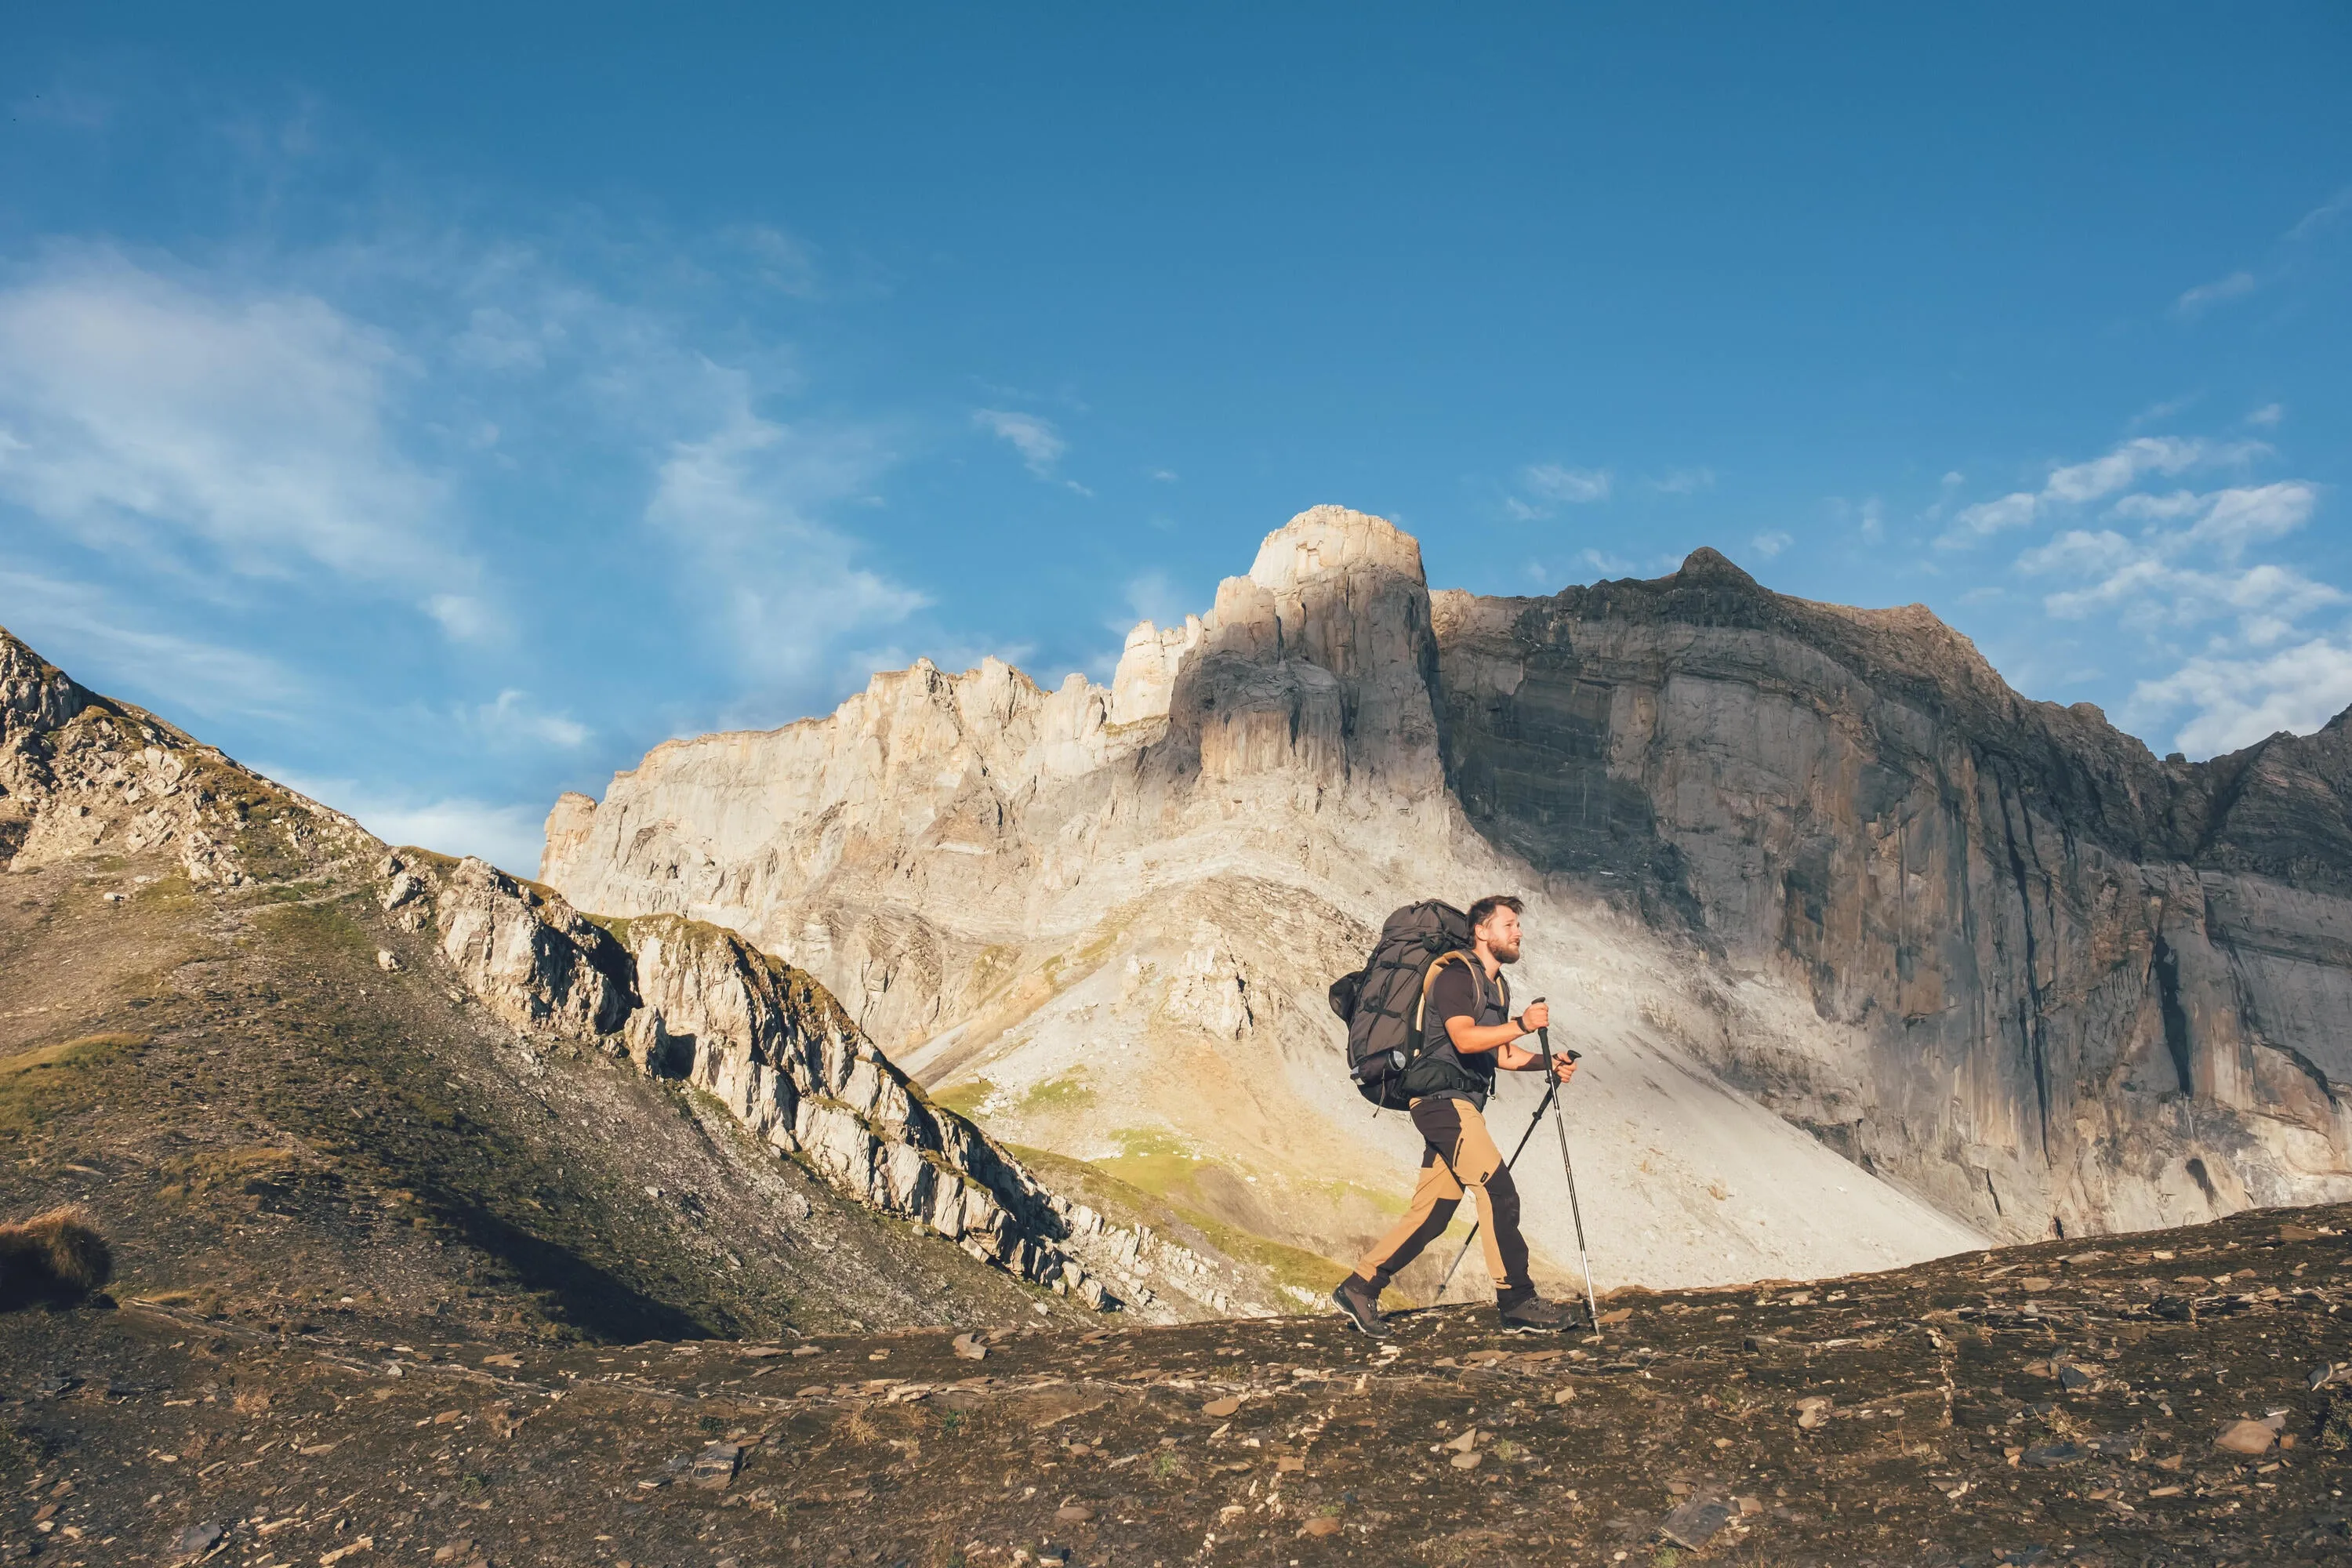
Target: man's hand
[(1563, 1067), (1536, 1016)]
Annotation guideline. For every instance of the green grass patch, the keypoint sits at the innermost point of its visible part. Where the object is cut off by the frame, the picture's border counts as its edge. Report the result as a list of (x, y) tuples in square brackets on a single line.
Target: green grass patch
[(1150, 1160), (1103, 1186), (965, 1098), (1070, 1091), (1309, 1272)]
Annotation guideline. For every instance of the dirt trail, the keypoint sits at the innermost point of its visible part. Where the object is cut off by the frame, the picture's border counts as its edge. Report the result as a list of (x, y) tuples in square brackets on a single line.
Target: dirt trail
[(2062, 1400)]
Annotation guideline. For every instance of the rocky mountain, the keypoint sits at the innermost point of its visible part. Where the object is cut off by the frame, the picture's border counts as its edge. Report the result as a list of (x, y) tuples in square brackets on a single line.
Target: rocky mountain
[(292, 1073), (1871, 957), (2060, 984)]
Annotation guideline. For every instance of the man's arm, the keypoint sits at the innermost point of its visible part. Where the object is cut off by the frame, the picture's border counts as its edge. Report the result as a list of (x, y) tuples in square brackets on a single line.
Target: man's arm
[(1471, 1040)]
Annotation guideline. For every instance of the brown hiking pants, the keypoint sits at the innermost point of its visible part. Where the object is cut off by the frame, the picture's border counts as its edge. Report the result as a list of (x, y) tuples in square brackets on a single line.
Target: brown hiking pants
[(1456, 1151)]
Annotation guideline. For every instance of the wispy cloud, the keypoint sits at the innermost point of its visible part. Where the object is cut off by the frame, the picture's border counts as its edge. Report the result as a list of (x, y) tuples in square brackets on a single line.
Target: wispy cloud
[(508, 835), (2179, 569), (1682, 481), (2235, 286), (117, 649), (2268, 416), (2286, 255), (744, 501), (1152, 597), (514, 718), (2156, 413), (219, 432), (1577, 487), (1040, 445), (2079, 484), (1551, 485), (1771, 545), (2234, 701)]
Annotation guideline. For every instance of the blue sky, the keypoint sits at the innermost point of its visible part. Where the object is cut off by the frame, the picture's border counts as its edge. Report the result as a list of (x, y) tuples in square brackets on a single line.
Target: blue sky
[(437, 407)]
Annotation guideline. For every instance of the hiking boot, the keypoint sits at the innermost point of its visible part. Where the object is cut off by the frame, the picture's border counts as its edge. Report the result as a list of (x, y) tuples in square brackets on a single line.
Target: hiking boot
[(1361, 1303), (1534, 1315)]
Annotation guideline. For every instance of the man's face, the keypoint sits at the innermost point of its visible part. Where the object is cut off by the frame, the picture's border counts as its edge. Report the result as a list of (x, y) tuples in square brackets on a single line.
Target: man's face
[(1501, 935)]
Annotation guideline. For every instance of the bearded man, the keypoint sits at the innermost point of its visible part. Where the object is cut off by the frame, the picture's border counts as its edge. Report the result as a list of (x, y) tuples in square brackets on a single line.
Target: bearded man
[(1467, 1032)]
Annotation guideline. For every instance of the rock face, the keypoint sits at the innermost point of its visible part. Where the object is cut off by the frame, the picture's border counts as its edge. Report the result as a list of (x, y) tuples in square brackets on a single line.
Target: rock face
[(79, 771), (2062, 985), (1783, 854), (1105, 918), (690, 1001)]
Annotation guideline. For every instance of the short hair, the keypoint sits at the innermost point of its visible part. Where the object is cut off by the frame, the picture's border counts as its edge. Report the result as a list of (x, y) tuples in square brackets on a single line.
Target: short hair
[(1483, 910)]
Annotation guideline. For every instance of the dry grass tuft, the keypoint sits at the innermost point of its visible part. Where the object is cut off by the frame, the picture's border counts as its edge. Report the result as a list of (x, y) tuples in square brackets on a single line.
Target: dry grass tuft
[(55, 1256)]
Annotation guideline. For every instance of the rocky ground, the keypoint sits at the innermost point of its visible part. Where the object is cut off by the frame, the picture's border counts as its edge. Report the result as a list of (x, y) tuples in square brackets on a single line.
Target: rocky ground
[(2160, 1398)]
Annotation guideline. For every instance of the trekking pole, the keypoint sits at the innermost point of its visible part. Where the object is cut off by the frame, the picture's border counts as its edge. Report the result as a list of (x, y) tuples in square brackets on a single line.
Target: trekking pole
[(1560, 1121), (1533, 1122)]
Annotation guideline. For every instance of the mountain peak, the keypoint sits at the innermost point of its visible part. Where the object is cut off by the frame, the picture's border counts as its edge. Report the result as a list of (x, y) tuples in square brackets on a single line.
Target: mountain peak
[(1707, 564), (1326, 539)]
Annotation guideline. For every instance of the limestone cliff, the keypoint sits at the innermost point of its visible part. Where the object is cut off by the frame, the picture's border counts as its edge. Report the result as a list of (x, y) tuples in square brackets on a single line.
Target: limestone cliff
[(1786, 854), (1102, 919), (2060, 984), (692, 1002)]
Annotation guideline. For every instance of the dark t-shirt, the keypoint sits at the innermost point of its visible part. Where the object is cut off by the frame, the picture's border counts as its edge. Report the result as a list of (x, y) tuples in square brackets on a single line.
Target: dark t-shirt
[(1456, 993)]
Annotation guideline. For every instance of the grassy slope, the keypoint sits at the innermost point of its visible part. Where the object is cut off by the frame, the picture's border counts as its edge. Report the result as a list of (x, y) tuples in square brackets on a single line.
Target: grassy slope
[(269, 1124)]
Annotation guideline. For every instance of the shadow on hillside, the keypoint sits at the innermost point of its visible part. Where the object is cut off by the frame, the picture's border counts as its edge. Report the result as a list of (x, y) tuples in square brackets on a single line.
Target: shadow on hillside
[(571, 1288)]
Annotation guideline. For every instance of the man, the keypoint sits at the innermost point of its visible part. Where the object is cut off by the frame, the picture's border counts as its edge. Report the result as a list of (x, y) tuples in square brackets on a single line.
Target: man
[(1469, 1033)]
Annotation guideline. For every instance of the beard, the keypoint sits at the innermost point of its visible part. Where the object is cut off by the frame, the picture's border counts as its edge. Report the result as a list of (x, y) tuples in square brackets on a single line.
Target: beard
[(1504, 955)]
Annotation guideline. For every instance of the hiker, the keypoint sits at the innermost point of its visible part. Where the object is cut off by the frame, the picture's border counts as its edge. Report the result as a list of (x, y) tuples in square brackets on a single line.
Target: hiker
[(1468, 1033)]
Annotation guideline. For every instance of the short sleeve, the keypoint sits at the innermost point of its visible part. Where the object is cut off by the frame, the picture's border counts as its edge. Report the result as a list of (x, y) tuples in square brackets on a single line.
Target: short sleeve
[(1452, 995)]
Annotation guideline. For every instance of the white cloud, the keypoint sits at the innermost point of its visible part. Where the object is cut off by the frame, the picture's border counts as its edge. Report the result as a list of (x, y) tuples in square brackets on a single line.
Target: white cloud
[(1771, 545), (1150, 596), (2321, 217), (513, 717), (1163, 476), (2285, 258), (1040, 445), (1606, 565), (510, 837), (1576, 486), (2156, 412), (2235, 701), (742, 502), (2195, 301), (114, 647), (1682, 481), (2237, 518), (214, 431), (2014, 510), (2078, 484), (2124, 467), (2268, 415)]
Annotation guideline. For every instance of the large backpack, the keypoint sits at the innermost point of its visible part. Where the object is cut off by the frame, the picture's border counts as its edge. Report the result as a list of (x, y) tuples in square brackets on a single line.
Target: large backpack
[(1381, 1002)]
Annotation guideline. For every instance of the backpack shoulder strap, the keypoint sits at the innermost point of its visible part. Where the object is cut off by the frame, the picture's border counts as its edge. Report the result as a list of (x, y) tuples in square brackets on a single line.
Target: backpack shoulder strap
[(1429, 978)]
